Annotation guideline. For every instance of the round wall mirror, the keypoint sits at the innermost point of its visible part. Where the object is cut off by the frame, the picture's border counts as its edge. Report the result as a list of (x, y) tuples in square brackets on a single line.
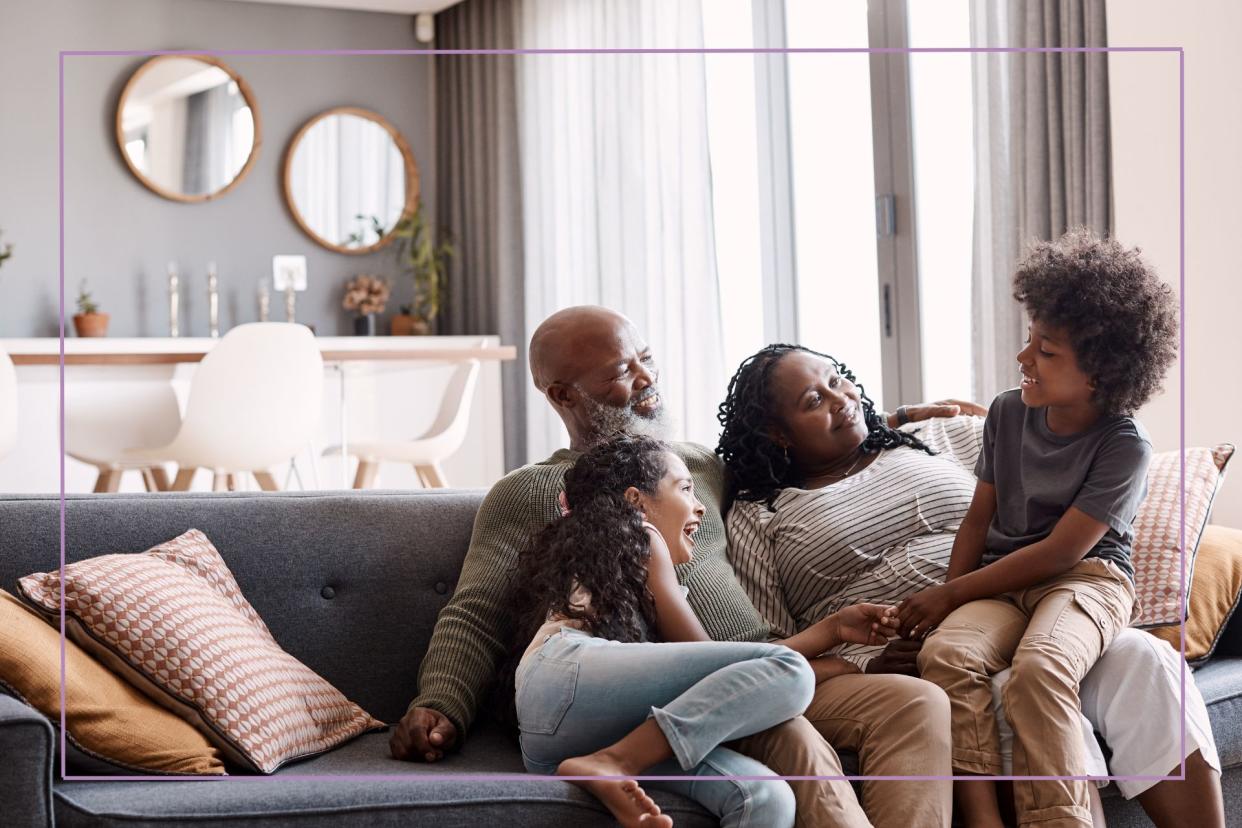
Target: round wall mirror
[(350, 179), (188, 127)]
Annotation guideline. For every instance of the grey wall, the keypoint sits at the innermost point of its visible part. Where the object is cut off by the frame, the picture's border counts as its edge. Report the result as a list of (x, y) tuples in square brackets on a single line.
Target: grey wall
[(120, 235)]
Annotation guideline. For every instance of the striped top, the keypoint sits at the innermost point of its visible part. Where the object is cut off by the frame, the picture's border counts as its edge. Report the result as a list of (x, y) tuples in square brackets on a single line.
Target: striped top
[(877, 536), (471, 634)]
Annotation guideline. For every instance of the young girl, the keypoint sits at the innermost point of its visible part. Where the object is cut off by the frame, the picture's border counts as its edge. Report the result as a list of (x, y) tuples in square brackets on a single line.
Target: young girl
[(595, 698), (1061, 475)]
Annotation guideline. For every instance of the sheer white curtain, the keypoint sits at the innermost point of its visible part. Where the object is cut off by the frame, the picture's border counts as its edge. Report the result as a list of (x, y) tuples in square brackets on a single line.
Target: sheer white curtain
[(616, 189)]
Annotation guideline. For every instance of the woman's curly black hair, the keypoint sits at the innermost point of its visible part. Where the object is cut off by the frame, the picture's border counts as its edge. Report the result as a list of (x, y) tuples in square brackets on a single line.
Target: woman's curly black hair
[(1120, 317), (758, 467), (600, 546)]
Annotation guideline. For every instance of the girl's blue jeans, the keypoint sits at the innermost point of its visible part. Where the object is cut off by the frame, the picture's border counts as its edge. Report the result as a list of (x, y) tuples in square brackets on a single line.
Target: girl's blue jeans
[(578, 694)]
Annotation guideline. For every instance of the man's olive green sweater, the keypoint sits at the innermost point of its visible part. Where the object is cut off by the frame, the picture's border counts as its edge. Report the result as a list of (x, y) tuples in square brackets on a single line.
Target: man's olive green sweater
[(472, 632)]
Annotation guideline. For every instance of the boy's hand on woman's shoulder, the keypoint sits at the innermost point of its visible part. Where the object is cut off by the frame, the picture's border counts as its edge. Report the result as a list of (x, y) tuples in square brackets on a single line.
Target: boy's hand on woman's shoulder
[(940, 408)]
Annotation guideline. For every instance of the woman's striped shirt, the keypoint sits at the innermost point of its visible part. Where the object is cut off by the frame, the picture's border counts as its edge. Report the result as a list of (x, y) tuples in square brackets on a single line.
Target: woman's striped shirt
[(876, 536)]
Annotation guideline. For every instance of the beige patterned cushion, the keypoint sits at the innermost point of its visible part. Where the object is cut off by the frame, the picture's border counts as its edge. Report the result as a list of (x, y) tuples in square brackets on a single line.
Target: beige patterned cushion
[(174, 622), (1157, 549)]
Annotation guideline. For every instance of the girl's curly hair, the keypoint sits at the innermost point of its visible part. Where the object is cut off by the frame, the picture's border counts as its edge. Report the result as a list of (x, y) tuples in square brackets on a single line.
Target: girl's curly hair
[(758, 468), (600, 546), (1120, 317)]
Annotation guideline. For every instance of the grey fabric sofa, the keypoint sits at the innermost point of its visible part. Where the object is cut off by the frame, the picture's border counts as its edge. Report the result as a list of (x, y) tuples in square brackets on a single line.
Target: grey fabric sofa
[(350, 584)]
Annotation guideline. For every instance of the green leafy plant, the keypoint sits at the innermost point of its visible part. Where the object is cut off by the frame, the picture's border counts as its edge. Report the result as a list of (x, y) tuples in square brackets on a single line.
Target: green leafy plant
[(86, 305), (6, 251), (419, 255)]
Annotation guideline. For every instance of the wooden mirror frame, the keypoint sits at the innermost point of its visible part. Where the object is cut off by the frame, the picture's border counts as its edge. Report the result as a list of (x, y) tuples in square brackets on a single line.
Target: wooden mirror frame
[(246, 92), (407, 157)]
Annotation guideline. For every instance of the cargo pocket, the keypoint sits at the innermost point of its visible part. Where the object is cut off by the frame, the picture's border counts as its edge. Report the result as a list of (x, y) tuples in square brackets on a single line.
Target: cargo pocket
[(547, 692), (1105, 618)]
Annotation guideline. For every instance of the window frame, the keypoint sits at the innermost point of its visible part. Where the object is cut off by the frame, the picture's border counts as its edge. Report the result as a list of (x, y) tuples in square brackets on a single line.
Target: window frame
[(897, 289)]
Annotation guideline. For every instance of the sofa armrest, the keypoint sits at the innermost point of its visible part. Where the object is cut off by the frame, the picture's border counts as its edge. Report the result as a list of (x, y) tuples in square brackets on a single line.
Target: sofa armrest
[(27, 745)]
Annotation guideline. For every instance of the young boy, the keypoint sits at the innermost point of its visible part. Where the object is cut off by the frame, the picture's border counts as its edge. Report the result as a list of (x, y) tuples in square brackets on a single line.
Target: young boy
[(1061, 474)]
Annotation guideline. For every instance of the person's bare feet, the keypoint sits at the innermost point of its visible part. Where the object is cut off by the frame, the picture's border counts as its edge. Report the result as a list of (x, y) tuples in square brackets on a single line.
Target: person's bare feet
[(625, 798)]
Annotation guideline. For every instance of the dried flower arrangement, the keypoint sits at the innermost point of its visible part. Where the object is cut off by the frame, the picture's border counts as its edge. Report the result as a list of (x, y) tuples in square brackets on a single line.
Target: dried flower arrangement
[(366, 294)]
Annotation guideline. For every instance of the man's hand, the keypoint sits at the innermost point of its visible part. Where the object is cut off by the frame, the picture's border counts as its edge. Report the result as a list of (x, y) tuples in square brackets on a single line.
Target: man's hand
[(923, 611), (900, 656), (940, 408), (423, 734)]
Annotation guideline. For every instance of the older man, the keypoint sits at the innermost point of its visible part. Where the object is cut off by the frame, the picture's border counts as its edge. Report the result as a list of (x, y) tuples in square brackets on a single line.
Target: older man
[(600, 377)]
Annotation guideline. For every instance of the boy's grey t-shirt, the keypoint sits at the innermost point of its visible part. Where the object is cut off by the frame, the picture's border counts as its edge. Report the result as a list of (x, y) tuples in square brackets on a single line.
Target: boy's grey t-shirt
[(1039, 475)]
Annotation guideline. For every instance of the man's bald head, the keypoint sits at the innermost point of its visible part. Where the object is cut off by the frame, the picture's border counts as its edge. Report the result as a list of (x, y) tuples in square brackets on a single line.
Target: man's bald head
[(598, 374), (574, 340)]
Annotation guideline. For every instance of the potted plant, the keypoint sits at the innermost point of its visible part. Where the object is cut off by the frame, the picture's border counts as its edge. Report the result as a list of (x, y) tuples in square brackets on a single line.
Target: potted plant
[(366, 296), (88, 321), (426, 261)]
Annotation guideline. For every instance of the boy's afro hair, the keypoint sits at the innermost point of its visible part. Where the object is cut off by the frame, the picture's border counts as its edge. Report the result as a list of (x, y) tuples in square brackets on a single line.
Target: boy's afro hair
[(1120, 317)]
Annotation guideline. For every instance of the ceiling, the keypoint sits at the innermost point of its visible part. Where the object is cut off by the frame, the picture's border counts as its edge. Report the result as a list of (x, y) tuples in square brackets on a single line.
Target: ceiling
[(392, 6)]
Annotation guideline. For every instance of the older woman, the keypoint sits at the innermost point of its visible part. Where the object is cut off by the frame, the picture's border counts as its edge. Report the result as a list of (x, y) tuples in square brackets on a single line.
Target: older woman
[(832, 506)]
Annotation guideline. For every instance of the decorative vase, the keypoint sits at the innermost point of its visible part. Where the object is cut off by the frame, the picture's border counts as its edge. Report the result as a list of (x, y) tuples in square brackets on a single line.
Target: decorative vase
[(364, 325), (404, 324), (90, 324)]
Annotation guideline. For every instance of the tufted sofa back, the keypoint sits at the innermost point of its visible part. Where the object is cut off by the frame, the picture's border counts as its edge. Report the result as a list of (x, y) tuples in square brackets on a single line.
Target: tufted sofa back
[(350, 584)]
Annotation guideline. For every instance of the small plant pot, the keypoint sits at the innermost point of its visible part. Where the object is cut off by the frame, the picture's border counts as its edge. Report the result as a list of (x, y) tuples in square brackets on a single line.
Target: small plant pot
[(364, 325), (404, 324), (90, 324)]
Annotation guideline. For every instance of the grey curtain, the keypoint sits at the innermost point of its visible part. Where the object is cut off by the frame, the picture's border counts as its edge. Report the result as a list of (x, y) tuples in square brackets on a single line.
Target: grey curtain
[(479, 193), (1042, 158)]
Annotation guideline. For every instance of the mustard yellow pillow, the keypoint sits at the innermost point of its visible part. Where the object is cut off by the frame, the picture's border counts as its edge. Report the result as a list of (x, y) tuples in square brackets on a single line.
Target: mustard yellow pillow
[(107, 718), (1215, 593)]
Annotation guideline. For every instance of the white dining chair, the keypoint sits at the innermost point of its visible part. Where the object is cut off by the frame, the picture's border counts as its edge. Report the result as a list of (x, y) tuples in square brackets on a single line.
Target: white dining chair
[(426, 452), (104, 420), (8, 404), (255, 400)]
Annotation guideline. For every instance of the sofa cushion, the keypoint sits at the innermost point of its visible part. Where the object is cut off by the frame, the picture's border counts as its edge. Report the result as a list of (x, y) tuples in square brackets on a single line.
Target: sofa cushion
[(409, 793), (106, 717), (173, 621), (1220, 682), (1158, 565)]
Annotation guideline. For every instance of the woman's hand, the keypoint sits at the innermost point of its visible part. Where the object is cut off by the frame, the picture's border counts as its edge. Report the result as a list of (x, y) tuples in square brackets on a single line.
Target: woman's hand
[(923, 611), (864, 624)]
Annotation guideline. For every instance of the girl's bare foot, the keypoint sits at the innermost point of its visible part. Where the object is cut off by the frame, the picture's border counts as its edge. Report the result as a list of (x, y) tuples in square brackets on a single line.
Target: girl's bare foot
[(627, 801)]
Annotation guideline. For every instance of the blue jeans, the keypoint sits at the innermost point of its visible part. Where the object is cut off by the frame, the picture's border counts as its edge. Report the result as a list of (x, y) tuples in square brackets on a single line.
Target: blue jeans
[(578, 694)]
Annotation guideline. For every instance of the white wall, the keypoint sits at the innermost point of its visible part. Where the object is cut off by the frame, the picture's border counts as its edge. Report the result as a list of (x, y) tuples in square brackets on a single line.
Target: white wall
[(1144, 102)]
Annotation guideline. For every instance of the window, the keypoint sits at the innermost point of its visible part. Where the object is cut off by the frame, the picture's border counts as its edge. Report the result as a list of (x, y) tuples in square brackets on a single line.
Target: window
[(801, 146), (732, 144), (833, 177), (942, 117)]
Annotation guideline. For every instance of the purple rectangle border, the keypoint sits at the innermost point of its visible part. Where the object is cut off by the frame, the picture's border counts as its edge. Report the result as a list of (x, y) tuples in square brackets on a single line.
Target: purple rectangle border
[(414, 777)]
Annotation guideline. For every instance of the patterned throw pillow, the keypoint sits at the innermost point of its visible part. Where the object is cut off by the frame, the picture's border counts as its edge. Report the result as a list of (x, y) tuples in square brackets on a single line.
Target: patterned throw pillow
[(1157, 548), (174, 622)]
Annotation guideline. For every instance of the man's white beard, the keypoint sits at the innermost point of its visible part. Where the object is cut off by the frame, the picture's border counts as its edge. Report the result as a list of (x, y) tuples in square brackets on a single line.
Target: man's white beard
[(608, 421)]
